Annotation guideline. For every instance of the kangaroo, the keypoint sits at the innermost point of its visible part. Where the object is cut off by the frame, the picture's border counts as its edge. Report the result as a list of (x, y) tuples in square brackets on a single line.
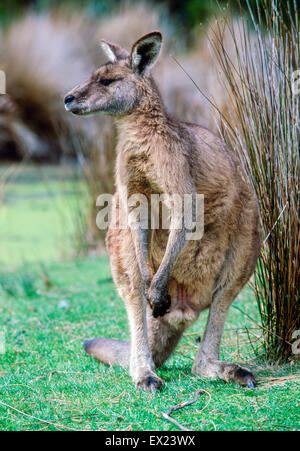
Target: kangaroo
[(165, 279)]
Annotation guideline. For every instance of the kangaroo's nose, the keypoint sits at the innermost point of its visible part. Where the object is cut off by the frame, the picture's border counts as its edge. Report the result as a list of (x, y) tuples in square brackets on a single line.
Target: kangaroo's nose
[(69, 99)]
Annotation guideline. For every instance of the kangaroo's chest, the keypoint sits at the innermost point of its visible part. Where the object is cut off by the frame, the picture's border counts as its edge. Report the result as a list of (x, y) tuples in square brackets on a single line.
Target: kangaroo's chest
[(138, 172)]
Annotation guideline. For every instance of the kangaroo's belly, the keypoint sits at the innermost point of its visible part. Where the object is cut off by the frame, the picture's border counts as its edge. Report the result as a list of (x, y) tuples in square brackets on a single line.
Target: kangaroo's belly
[(186, 304), (193, 276)]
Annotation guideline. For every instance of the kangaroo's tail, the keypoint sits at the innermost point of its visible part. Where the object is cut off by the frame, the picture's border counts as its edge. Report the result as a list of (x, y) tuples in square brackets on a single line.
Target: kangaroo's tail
[(109, 351)]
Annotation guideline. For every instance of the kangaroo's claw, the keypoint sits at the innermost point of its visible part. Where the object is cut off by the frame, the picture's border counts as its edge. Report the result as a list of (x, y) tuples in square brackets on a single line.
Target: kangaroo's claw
[(151, 383), (161, 306)]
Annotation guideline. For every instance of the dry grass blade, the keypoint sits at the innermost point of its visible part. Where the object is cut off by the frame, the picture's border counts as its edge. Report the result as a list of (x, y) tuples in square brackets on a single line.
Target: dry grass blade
[(56, 425), (172, 409), (270, 381)]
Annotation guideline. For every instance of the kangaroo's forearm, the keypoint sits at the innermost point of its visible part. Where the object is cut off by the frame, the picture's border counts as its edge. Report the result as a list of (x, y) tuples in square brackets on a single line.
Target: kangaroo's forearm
[(176, 243), (140, 238)]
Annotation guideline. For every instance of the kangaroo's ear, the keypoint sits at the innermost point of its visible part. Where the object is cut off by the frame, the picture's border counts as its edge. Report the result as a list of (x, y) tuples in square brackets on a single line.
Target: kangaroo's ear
[(145, 52), (113, 51)]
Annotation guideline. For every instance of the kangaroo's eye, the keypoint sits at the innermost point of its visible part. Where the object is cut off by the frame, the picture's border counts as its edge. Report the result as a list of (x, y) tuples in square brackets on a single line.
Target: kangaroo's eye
[(106, 81)]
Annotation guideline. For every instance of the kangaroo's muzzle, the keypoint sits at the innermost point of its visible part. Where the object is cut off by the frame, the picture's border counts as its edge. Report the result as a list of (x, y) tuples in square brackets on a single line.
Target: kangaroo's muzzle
[(69, 102)]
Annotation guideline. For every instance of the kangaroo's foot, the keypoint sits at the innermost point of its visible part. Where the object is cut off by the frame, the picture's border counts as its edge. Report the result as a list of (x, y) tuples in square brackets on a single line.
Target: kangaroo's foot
[(149, 381), (159, 300), (143, 375), (227, 371)]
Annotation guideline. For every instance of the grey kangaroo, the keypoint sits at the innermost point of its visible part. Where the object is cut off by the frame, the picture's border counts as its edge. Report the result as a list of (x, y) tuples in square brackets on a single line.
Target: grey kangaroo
[(165, 279)]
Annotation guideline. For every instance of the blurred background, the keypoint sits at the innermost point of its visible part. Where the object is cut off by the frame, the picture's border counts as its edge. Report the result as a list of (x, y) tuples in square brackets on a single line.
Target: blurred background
[(52, 165)]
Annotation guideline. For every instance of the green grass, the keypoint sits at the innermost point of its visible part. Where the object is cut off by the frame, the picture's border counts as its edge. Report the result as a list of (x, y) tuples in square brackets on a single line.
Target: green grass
[(44, 372), (37, 217)]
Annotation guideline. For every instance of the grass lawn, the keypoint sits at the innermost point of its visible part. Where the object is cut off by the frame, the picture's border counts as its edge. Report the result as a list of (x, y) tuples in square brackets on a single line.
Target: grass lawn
[(45, 374), (38, 214), (48, 309)]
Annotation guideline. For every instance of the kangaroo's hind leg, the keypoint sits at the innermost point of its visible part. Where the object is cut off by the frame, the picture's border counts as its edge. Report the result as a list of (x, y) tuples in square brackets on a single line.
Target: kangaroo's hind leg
[(136, 355), (207, 362), (163, 338), (151, 340)]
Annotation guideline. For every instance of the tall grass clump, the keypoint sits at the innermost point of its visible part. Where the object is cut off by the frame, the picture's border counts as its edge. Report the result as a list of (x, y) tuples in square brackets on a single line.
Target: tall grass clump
[(263, 129)]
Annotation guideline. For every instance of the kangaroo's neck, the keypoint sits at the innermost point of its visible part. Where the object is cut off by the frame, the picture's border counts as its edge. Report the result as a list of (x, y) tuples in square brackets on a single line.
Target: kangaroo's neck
[(147, 125)]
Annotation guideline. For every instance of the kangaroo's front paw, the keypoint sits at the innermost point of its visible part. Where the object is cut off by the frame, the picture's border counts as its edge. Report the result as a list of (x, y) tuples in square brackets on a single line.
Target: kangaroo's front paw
[(159, 301), (150, 383)]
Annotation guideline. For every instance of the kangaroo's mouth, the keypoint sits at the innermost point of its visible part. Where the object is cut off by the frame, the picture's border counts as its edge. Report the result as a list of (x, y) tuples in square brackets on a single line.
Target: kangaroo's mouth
[(77, 110)]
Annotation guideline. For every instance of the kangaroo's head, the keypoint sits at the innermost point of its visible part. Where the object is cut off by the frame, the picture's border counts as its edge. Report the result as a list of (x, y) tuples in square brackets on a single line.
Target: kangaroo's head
[(120, 85)]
